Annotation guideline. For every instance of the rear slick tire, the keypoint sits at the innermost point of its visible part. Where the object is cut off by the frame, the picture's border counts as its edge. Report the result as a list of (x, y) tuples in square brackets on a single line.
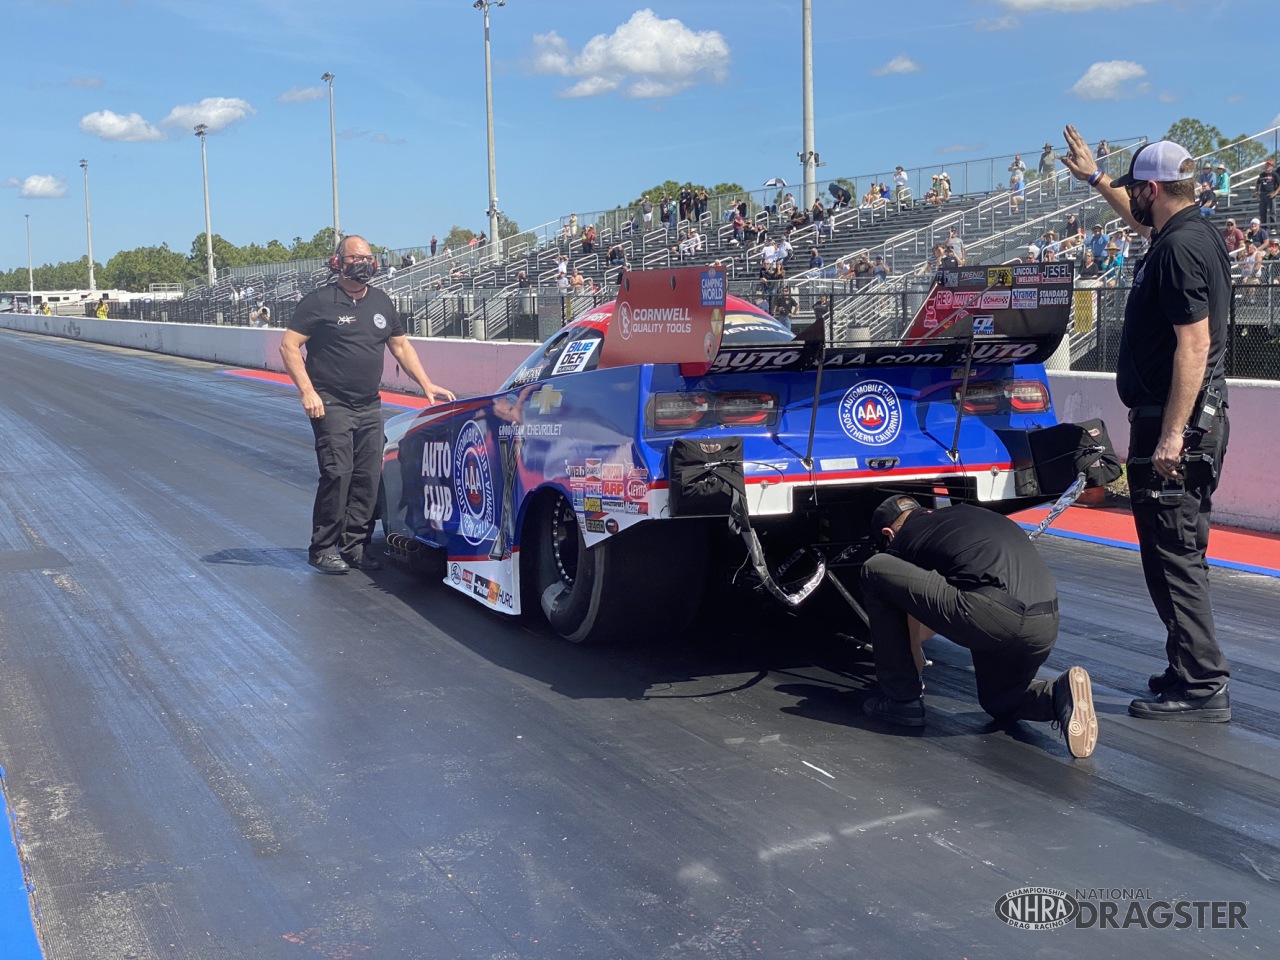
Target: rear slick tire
[(643, 582)]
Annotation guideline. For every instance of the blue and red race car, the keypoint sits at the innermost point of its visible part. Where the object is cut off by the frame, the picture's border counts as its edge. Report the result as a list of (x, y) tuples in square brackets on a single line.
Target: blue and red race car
[(679, 438)]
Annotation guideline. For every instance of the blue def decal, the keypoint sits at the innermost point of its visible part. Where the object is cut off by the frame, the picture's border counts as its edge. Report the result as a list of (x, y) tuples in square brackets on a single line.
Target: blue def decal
[(473, 484), (712, 288), (871, 413)]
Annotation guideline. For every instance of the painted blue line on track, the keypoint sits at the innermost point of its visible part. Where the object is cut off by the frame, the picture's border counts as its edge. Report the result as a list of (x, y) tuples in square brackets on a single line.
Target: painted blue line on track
[(1125, 545), (17, 929)]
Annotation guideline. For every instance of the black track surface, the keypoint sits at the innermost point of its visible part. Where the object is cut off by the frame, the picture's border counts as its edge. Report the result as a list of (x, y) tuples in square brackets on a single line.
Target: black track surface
[(215, 753)]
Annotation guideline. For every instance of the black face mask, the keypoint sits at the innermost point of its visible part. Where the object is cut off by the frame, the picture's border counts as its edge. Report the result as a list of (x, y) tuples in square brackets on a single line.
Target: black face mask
[(361, 271), (1142, 214)]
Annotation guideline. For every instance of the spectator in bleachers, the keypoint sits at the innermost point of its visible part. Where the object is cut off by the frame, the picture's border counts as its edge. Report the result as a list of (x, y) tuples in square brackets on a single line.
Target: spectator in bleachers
[(752, 233), (825, 229), (880, 271), (949, 260), (562, 266), (1101, 155), (954, 241), (384, 257), (1206, 175), (1097, 243), (1017, 173), (884, 191), (936, 255), (1233, 236), (785, 250), (1208, 200), (1267, 186), (617, 255), (871, 198), (817, 213), (1048, 162), (700, 201), (784, 306), (815, 259), (1256, 233), (1031, 254), (1222, 180), (260, 315), (1250, 263), (573, 225), (646, 211), (433, 244), (1123, 241), (664, 209), (1072, 226), (900, 184), (1113, 264), (589, 236), (739, 227), (522, 280), (769, 254), (798, 219), (577, 281), (863, 270), (1089, 269), (822, 310), (686, 202)]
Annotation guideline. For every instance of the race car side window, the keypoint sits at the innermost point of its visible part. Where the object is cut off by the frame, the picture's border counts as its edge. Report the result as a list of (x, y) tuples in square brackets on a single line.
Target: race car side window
[(571, 350)]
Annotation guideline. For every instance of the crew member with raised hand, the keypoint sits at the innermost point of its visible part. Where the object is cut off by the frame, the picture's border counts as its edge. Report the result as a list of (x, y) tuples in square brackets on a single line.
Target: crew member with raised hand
[(1170, 375), (344, 326)]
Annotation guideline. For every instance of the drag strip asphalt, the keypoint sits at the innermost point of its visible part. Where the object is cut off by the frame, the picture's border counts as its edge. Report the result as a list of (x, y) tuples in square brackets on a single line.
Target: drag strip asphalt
[(214, 753)]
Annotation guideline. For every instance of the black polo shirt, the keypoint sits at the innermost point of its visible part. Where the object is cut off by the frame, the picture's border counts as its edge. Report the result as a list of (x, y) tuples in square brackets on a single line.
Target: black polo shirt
[(1184, 277), (973, 547), (346, 341)]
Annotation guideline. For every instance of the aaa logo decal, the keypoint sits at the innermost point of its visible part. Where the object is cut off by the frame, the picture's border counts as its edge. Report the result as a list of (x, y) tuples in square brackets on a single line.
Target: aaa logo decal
[(871, 413), (473, 484)]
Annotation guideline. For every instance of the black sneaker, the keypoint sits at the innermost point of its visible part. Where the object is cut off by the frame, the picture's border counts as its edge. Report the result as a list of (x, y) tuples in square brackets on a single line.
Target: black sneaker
[(1176, 705), (329, 563), (902, 713), (363, 561), (1160, 682), (1073, 708)]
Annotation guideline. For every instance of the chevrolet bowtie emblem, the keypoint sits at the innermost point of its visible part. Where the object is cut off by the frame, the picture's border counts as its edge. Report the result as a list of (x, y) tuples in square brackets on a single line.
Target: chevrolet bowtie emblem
[(546, 399)]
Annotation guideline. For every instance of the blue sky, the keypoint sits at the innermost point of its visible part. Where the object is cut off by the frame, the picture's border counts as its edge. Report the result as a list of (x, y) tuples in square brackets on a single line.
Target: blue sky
[(593, 101)]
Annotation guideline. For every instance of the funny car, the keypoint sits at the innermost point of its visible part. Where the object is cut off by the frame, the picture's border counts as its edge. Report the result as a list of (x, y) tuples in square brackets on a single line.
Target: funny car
[(679, 440)]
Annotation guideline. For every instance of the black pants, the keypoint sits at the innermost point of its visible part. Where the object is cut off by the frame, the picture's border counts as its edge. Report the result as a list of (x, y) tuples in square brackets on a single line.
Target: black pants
[(349, 454), (1173, 539), (1008, 648), (1265, 211)]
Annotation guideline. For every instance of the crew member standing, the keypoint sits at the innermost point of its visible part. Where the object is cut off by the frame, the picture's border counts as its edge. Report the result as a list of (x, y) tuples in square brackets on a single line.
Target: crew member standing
[(344, 326), (1170, 375), (973, 576)]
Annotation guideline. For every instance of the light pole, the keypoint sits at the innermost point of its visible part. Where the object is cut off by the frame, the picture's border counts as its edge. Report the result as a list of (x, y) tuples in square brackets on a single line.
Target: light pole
[(808, 156), (483, 6), (31, 277), (88, 229), (201, 130), (333, 151)]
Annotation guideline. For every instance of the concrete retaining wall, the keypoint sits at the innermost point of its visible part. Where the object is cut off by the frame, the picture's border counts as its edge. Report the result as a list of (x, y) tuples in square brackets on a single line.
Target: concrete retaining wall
[(1248, 496)]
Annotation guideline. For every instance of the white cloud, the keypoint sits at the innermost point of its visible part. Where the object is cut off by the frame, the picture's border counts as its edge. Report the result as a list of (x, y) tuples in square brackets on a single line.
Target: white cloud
[(300, 94), (1110, 80), (1168, 96), (899, 64), (1069, 6), (646, 57), (39, 186), (998, 23), (216, 113), (115, 126)]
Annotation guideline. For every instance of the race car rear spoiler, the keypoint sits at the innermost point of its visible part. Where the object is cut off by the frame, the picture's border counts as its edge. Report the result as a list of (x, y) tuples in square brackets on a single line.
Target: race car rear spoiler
[(976, 315)]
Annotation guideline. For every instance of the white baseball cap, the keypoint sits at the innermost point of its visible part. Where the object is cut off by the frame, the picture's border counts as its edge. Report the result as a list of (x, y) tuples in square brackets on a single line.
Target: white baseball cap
[(1160, 161)]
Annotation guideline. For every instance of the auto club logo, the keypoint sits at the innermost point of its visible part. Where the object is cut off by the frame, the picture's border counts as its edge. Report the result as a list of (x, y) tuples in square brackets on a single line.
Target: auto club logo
[(473, 484), (871, 413)]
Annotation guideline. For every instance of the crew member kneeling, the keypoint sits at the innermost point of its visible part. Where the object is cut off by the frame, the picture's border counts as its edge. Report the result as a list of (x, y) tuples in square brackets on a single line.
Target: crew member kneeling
[(974, 577)]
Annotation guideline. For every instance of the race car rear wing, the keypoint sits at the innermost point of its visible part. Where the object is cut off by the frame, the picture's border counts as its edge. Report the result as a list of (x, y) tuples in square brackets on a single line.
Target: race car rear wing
[(976, 315)]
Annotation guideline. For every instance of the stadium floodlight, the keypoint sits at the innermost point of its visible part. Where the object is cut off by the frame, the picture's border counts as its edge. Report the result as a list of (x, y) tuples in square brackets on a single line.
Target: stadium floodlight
[(88, 228), (483, 6), (327, 77), (201, 131)]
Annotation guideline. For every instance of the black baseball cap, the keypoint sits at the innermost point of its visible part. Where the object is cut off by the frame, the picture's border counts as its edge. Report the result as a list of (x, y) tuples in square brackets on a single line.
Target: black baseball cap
[(889, 511)]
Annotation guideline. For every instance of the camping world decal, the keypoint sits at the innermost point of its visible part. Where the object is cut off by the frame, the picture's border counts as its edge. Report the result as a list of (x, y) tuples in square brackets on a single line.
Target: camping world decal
[(473, 485), (871, 413)]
